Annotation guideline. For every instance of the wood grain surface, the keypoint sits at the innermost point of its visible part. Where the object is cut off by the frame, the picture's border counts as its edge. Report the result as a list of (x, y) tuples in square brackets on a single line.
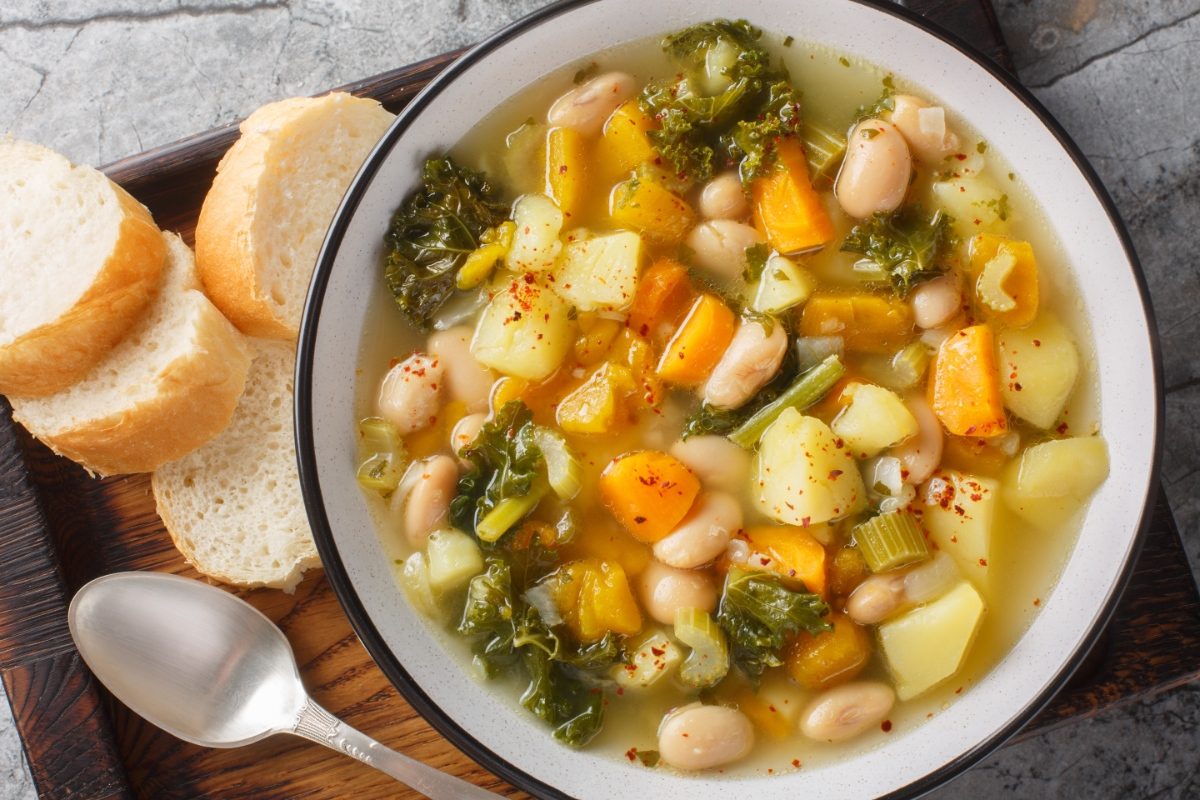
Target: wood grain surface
[(59, 528)]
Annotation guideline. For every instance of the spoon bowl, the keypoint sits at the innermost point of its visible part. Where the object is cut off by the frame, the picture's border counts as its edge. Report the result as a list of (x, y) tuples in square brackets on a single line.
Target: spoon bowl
[(196, 661), (206, 666)]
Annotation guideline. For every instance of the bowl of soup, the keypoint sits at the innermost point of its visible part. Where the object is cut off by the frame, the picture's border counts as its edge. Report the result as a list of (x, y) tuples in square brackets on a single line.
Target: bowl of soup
[(689, 403)]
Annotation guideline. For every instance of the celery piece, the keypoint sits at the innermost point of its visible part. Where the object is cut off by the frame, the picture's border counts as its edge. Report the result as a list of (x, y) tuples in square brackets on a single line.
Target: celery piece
[(891, 540), (562, 467), (708, 662), (825, 149), (508, 512), (381, 453), (909, 365), (807, 390)]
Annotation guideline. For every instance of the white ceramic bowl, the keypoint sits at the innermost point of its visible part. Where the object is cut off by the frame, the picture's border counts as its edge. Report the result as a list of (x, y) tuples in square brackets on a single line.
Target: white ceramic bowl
[(514, 744)]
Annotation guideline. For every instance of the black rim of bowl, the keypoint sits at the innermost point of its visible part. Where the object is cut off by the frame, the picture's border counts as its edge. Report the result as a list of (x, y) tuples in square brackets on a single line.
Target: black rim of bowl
[(310, 485)]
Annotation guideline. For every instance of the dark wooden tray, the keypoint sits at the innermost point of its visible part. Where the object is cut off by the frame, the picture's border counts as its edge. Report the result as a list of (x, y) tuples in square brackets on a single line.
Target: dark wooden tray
[(59, 529)]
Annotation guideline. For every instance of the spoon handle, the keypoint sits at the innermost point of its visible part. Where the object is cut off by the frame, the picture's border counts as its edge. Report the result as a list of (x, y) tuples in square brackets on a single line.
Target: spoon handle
[(318, 725)]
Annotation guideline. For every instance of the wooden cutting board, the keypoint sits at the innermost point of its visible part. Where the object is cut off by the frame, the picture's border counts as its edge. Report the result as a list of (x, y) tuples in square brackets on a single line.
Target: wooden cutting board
[(59, 529)]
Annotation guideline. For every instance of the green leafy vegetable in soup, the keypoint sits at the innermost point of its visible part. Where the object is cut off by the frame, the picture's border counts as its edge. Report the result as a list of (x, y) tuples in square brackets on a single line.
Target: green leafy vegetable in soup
[(730, 418)]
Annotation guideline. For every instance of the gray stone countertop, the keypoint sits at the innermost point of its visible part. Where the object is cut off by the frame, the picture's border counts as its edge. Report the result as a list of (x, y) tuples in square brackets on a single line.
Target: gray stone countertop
[(102, 79)]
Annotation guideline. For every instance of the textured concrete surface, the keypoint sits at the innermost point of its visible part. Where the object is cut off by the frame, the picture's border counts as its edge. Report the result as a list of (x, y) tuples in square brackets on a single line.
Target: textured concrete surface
[(101, 79)]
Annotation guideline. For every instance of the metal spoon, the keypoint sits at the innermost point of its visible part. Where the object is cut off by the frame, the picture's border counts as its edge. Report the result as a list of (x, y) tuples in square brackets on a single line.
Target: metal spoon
[(207, 667)]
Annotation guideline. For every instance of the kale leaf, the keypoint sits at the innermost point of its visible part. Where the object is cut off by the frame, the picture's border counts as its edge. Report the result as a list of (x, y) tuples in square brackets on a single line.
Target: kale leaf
[(906, 244), (432, 233), (885, 104), (504, 462), (737, 123), (759, 615), (509, 631)]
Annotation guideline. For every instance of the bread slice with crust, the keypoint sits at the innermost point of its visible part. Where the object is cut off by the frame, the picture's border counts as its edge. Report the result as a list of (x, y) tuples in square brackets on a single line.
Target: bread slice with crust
[(80, 260), (166, 388), (233, 507), (264, 219)]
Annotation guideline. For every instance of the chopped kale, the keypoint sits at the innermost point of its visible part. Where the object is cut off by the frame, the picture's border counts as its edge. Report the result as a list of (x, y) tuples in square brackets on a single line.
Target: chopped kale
[(504, 463), (712, 116), (759, 615), (885, 103), (432, 233), (905, 244)]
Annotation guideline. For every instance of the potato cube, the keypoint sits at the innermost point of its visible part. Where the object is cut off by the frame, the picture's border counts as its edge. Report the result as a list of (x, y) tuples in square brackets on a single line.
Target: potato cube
[(875, 420), (927, 645), (960, 514), (803, 476), (1038, 369), (600, 273), (525, 330)]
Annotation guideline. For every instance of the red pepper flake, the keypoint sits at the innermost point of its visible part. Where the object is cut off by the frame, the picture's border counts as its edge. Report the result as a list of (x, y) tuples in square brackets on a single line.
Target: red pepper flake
[(834, 474), (886, 726), (796, 763), (770, 771), (562, 170), (983, 562), (1037, 601), (961, 156), (631, 754), (962, 512), (1017, 386), (1062, 428), (658, 651), (954, 539), (1037, 342), (639, 520), (958, 690), (804, 521)]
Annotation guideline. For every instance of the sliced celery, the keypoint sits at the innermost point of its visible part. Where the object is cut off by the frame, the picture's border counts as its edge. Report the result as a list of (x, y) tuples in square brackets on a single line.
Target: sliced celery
[(891, 540), (508, 512), (708, 662), (825, 149), (909, 365), (381, 455), (807, 390), (562, 467)]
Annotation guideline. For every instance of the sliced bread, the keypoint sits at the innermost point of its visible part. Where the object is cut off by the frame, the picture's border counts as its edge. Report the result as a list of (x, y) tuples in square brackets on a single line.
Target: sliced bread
[(263, 221), (80, 260), (233, 507), (166, 388)]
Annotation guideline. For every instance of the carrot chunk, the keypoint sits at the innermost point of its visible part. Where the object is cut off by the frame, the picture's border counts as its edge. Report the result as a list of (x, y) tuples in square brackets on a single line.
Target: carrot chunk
[(965, 389), (648, 492), (651, 209), (790, 552), (699, 343), (787, 210), (828, 659), (663, 295), (566, 169)]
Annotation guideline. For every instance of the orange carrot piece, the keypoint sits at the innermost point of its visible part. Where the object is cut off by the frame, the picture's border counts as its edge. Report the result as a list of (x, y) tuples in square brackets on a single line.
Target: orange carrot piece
[(787, 209), (965, 389), (664, 293), (1021, 284), (867, 323), (791, 552), (648, 492), (699, 343)]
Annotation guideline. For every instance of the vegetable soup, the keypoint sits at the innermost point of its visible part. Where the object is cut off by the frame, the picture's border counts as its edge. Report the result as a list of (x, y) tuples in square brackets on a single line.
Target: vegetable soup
[(725, 403)]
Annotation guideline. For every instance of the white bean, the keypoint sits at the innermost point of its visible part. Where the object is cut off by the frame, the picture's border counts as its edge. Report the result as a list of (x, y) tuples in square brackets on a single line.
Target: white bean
[(724, 198), (719, 246), (664, 590), (717, 462), (876, 170), (697, 737), (466, 379), (846, 711), (924, 128), (429, 499), (408, 395), (881, 596), (703, 534), (876, 598), (586, 107), (919, 455), (935, 302), (748, 363), (465, 431)]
